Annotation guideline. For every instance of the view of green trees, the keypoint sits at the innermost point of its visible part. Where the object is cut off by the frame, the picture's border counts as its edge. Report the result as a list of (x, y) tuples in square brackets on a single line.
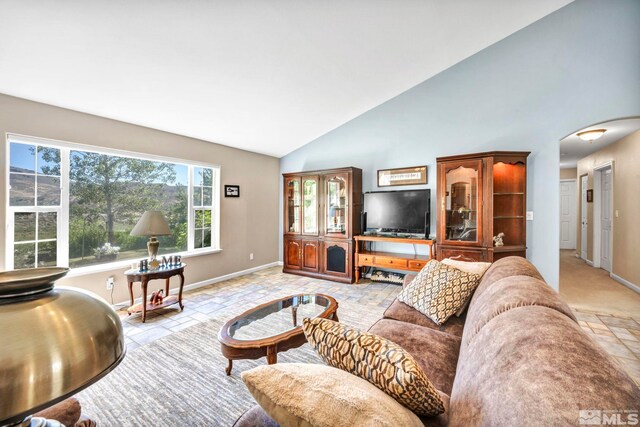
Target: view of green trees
[(108, 194)]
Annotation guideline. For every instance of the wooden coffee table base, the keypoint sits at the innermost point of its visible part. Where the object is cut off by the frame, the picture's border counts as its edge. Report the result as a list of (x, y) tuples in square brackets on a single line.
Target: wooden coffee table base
[(268, 347), (272, 357), (268, 351)]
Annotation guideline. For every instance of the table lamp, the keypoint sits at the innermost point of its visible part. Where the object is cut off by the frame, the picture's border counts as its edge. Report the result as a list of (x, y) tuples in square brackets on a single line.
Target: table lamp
[(55, 342), (152, 224)]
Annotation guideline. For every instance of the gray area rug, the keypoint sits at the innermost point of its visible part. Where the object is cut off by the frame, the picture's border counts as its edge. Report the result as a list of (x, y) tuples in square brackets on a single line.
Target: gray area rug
[(179, 380)]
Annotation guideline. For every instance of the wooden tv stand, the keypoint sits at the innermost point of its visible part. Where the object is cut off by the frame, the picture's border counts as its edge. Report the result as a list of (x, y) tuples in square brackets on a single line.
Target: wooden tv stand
[(393, 260)]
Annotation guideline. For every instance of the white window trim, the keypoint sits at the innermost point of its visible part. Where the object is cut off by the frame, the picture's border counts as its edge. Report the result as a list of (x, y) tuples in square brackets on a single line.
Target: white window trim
[(63, 210)]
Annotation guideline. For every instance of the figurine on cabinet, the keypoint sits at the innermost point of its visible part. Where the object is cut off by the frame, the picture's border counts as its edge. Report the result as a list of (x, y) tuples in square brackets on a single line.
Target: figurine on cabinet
[(498, 239)]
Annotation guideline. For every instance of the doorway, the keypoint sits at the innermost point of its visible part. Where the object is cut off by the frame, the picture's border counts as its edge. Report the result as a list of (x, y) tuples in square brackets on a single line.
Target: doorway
[(602, 216), (568, 214), (584, 225)]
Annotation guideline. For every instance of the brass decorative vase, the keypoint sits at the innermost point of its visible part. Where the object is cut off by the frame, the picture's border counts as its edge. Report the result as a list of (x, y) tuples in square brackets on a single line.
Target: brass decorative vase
[(55, 341)]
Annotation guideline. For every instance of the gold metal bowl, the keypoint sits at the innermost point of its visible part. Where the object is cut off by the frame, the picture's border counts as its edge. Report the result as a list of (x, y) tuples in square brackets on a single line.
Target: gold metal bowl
[(54, 341), (29, 281)]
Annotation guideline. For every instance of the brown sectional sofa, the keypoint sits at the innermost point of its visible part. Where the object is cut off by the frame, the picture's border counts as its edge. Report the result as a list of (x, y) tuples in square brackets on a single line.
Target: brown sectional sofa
[(516, 357)]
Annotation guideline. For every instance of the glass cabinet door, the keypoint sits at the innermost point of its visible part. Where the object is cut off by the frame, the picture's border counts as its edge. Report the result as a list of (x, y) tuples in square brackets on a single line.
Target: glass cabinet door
[(462, 202), (336, 204), (293, 201), (310, 205)]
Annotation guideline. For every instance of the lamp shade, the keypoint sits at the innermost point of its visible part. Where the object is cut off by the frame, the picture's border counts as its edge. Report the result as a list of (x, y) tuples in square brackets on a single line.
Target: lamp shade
[(54, 341), (152, 223)]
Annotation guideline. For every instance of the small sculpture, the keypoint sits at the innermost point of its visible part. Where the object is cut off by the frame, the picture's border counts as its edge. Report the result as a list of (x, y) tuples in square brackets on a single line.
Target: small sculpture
[(498, 239), (156, 297)]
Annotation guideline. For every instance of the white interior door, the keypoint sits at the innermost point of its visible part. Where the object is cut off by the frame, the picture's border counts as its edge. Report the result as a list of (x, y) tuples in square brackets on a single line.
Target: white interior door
[(605, 220), (568, 214), (583, 218)]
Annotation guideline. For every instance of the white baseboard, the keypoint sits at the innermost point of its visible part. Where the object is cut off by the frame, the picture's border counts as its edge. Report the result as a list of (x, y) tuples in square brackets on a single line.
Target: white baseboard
[(212, 280), (589, 262), (625, 282)]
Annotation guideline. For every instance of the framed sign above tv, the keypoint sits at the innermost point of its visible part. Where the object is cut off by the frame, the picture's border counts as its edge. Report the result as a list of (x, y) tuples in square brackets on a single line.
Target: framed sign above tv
[(415, 175)]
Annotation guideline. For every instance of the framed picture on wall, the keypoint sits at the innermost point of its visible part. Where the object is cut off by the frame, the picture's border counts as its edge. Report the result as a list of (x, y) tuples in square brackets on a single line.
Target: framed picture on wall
[(589, 196), (414, 175), (231, 191)]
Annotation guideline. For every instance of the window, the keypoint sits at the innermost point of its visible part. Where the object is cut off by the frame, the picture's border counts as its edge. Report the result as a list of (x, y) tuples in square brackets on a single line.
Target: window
[(203, 205), (73, 206), (34, 179)]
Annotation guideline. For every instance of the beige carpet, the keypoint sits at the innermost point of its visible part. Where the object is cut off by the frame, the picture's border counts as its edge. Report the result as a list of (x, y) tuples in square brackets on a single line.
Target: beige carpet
[(591, 289), (179, 380)]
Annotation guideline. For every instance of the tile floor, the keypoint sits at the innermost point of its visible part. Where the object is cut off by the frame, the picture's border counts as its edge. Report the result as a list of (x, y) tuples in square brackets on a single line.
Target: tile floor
[(620, 336), (232, 297)]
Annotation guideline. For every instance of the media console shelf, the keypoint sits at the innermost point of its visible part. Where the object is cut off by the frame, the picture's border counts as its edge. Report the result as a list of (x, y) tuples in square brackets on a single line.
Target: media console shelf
[(364, 257)]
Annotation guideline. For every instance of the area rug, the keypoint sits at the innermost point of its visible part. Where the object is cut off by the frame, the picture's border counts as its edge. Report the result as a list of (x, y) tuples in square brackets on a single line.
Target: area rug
[(180, 380)]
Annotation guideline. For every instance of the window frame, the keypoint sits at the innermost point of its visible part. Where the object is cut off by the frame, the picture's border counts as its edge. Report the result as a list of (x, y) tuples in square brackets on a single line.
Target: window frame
[(62, 210)]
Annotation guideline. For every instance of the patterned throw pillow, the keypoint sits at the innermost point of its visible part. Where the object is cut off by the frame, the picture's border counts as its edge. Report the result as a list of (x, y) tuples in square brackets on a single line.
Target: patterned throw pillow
[(478, 268), (377, 360), (438, 291)]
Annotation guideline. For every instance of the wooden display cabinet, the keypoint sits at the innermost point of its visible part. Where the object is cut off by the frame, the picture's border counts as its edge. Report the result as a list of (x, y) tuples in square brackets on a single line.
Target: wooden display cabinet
[(321, 213), (478, 196)]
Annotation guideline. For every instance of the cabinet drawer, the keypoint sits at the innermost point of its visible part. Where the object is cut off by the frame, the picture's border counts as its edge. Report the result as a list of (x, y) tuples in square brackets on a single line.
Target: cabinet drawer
[(365, 259), (462, 254), (417, 264), (390, 262)]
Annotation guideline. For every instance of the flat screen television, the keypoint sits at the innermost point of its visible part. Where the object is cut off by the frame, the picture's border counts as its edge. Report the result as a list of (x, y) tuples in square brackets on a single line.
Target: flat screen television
[(407, 211)]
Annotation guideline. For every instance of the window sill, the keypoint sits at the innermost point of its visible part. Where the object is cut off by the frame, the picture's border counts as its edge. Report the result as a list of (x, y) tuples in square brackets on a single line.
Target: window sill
[(126, 264)]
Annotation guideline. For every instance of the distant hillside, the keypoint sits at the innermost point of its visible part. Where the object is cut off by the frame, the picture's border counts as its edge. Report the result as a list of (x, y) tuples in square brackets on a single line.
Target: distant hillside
[(23, 190)]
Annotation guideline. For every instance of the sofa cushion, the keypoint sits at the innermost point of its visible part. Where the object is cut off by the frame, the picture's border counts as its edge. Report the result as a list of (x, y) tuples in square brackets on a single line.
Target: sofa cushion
[(302, 394), (375, 359), (507, 267), (439, 290), (509, 293), (255, 417), (534, 365), (435, 352), (66, 412), (404, 313)]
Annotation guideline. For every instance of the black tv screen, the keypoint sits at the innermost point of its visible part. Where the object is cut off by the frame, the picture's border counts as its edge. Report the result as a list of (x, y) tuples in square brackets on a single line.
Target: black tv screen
[(400, 211)]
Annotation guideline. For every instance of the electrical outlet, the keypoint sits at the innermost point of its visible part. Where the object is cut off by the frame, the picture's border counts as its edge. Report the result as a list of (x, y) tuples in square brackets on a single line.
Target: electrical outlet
[(251, 256), (110, 282), (529, 215)]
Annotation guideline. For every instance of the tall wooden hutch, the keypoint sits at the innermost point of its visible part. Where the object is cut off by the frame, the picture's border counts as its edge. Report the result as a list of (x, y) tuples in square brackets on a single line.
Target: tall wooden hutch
[(478, 196), (321, 215)]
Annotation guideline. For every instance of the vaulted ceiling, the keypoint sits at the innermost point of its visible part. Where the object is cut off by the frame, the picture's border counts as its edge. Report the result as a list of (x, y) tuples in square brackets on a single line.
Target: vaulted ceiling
[(265, 76)]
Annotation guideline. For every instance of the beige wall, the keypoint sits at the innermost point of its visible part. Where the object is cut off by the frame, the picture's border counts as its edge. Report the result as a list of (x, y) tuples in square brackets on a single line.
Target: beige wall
[(568, 173), (625, 155), (248, 224)]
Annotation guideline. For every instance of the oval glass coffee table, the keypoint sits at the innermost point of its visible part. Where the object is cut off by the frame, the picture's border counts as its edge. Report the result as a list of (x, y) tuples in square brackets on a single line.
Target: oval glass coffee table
[(273, 327)]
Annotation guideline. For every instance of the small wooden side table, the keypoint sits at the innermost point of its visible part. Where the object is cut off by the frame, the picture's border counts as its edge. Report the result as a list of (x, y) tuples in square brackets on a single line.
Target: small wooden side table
[(135, 275)]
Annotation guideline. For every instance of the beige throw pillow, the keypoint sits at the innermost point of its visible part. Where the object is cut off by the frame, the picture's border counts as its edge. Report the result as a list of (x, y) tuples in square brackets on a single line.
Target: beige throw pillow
[(301, 394), (478, 268), (377, 360), (439, 291)]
